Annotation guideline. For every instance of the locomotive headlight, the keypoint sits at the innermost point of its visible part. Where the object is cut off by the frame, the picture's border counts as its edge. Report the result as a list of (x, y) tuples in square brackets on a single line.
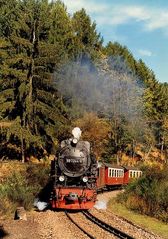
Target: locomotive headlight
[(61, 178), (75, 141), (85, 179)]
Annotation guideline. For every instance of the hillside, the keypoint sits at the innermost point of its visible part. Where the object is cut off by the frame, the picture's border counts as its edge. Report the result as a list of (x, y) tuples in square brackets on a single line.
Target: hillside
[(54, 71)]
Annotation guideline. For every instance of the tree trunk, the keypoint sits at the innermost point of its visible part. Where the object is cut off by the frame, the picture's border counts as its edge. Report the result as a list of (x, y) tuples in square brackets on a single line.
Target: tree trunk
[(146, 156), (22, 146)]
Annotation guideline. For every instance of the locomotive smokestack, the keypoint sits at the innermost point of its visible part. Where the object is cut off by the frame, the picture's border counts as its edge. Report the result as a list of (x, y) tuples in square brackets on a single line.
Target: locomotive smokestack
[(76, 132)]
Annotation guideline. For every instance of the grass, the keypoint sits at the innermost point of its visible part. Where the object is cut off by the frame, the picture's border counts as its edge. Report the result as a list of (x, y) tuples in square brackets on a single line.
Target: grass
[(149, 223)]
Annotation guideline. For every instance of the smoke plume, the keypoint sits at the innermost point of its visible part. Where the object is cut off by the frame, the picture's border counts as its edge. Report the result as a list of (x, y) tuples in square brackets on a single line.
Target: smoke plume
[(107, 88)]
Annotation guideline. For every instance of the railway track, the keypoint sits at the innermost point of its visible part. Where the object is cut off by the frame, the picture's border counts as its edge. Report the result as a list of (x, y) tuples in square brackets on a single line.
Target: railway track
[(76, 224), (108, 228)]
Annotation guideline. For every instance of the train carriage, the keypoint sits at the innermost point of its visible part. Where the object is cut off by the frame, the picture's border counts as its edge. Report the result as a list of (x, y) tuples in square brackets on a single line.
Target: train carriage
[(131, 173), (114, 175), (101, 183)]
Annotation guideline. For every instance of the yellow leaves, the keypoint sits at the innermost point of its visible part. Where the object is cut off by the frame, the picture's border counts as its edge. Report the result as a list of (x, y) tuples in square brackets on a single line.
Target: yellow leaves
[(5, 124), (95, 130)]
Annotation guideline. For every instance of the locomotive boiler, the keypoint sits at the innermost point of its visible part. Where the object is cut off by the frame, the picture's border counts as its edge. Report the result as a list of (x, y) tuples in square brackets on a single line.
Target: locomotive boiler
[(74, 174)]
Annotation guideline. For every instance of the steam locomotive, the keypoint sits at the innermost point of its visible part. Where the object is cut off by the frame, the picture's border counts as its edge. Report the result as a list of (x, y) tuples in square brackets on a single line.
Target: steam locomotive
[(76, 176)]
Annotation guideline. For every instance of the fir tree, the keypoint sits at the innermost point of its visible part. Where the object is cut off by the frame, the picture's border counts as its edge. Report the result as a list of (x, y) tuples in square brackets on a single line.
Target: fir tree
[(29, 63), (87, 39)]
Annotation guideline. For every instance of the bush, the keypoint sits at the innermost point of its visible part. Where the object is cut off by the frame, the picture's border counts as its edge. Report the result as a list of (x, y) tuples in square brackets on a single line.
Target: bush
[(21, 188), (37, 174), (149, 194)]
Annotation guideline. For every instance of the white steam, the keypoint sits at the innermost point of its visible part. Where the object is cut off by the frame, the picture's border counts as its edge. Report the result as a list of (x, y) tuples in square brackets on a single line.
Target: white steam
[(76, 132), (101, 205), (40, 205)]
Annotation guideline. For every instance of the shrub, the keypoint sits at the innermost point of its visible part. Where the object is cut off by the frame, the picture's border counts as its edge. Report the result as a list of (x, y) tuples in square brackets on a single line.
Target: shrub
[(21, 188), (148, 194), (17, 191), (37, 174)]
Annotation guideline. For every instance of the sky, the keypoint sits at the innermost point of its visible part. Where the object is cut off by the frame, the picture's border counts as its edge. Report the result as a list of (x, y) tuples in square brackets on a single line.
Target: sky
[(141, 25)]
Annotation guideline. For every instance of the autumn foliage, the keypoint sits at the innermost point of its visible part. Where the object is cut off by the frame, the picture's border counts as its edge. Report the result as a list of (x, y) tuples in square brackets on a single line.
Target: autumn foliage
[(95, 130)]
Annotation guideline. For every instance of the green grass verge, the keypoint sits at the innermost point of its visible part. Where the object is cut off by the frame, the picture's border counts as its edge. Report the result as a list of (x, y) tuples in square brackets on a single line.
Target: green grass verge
[(149, 223)]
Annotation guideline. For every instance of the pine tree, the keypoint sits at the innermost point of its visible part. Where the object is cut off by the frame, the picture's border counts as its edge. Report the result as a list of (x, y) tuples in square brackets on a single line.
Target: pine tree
[(29, 63), (116, 50), (61, 33), (87, 39)]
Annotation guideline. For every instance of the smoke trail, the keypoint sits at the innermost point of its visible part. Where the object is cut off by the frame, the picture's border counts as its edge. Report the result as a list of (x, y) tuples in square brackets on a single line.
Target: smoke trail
[(108, 88)]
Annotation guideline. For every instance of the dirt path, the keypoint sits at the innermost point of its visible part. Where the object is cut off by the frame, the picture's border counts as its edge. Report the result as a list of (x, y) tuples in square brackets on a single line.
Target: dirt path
[(40, 225)]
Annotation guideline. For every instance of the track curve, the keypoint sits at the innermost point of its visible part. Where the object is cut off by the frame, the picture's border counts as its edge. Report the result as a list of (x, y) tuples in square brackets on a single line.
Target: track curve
[(85, 232), (105, 226)]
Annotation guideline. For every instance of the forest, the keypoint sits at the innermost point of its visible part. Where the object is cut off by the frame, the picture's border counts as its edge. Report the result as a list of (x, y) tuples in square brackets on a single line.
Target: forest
[(56, 73)]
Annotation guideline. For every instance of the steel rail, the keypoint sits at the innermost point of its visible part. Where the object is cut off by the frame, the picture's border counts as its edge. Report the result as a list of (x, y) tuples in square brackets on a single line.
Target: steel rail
[(85, 232), (106, 226)]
